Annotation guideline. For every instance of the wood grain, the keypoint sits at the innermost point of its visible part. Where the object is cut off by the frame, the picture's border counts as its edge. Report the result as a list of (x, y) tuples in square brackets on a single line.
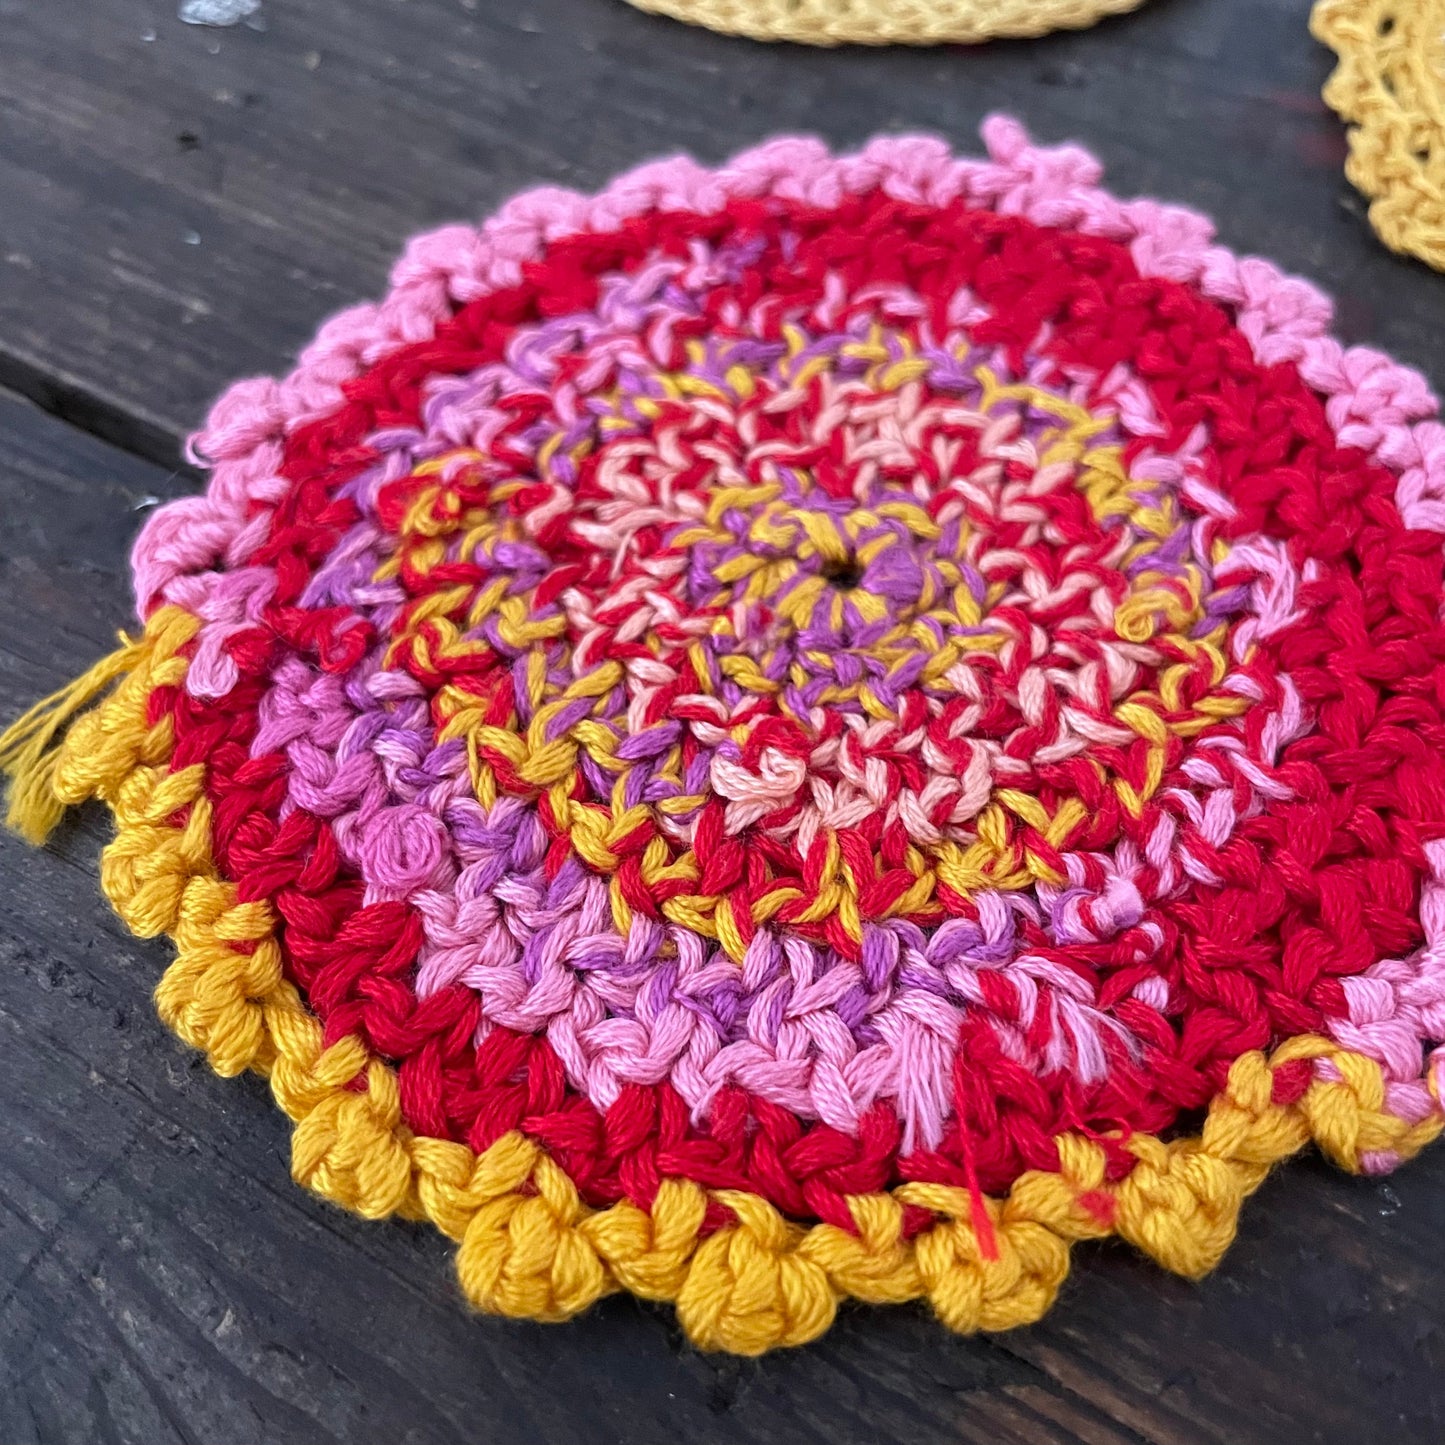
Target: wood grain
[(185, 208)]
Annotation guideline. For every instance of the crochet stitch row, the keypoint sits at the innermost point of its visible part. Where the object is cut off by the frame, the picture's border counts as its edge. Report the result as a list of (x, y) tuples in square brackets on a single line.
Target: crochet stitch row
[(870, 22), (758, 737), (1389, 87)]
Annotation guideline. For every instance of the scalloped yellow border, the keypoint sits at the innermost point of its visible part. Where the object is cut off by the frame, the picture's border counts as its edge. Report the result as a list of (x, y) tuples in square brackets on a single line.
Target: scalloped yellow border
[(527, 1243), (1389, 87), (888, 22)]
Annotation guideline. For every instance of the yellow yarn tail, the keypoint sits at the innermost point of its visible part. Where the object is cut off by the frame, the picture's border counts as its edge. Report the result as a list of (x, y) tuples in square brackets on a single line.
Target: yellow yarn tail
[(29, 750)]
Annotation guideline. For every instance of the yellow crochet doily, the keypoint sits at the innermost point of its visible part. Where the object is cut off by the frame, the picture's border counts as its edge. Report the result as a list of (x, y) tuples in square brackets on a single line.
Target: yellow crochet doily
[(887, 22), (1390, 88)]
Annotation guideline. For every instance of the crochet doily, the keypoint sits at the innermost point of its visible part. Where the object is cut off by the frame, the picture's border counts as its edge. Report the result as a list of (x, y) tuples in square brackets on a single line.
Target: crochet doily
[(888, 22), (787, 732), (1390, 88)]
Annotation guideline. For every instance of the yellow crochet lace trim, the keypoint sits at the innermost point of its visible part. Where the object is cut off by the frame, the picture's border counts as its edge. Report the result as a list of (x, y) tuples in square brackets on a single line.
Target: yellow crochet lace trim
[(887, 22), (528, 1245), (1390, 88)]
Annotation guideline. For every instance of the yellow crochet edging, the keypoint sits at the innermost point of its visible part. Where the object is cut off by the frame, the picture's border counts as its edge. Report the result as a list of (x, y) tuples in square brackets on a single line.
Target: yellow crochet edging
[(528, 1244), (888, 22), (1389, 87)]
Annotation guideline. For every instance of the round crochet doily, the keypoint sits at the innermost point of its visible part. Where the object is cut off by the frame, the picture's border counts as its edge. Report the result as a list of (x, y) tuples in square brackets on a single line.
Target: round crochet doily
[(787, 732), (1390, 88), (888, 22)]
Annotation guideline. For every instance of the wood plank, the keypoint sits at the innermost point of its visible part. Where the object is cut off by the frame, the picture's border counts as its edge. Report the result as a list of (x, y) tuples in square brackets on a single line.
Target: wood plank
[(183, 205), (162, 1280)]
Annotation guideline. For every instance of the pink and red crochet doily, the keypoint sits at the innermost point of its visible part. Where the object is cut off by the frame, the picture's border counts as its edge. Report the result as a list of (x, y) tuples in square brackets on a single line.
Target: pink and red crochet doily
[(832, 704)]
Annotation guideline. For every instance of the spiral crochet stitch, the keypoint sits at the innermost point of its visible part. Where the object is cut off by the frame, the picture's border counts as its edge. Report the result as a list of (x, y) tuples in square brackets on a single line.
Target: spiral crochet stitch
[(767, 737)]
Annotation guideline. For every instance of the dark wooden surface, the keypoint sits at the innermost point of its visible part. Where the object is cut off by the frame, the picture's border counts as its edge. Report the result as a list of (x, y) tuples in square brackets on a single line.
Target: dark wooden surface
[(180, 206)]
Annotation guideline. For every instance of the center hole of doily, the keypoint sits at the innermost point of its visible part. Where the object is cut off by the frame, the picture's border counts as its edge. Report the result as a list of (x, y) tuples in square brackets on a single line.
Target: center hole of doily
[(843, 573)]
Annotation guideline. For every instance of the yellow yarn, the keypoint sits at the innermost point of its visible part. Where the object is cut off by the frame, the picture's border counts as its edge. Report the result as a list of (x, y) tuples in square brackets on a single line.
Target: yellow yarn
[(528, 1244), (1390, 88), (27, 752), (887, 22)]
